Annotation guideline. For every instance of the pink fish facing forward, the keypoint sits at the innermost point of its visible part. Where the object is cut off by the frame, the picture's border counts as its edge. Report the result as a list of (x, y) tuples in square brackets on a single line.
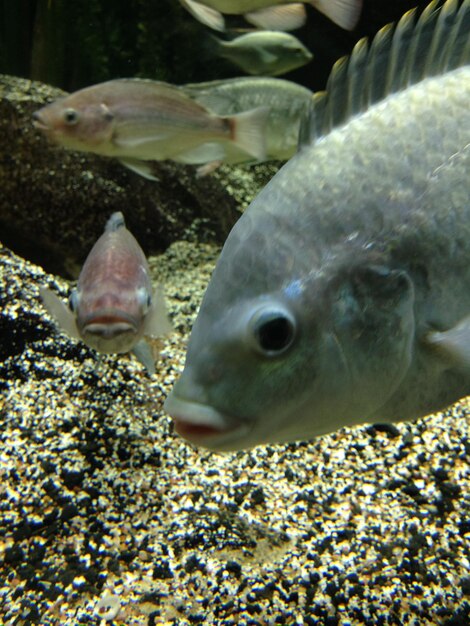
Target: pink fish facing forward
[(113, 307), (138, 120)]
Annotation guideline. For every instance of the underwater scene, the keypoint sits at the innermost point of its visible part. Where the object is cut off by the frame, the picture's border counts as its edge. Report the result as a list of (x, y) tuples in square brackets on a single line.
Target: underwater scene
[(235, 312)]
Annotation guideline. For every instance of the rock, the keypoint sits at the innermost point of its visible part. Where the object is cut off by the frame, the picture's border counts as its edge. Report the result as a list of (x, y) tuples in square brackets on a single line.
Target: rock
[(54, 203)]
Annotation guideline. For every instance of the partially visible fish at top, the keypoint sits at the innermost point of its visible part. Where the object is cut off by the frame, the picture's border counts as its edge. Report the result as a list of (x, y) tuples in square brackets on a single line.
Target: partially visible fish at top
[(265, 53), (287, 102), (283, 17), (137, 121), (345, 13), (342, 294), (114, 306)]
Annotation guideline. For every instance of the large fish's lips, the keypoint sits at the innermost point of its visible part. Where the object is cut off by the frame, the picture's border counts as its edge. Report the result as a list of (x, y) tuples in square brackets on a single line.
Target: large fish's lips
[(201, 424)]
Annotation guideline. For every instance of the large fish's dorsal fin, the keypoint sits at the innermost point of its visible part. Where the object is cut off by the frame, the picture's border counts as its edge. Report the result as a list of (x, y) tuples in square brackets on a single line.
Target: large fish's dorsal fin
[(398, 56)]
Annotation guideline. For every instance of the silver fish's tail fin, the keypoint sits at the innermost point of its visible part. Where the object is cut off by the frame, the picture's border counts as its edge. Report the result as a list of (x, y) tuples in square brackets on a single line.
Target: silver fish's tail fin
[(59, 311), (248, 131), (345, 13), (437, 42), (115, 222)]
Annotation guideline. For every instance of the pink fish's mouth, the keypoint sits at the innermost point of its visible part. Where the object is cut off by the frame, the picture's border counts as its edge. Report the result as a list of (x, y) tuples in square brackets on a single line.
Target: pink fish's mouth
[(114, 320)]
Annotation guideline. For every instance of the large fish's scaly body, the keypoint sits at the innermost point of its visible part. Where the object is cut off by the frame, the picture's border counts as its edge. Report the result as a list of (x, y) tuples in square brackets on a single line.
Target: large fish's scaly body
[(287, 103), (342, 295), (113, 306)]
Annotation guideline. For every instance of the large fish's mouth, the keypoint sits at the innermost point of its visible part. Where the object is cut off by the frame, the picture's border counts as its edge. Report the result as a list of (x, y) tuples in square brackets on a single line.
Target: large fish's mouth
[(203, 425)]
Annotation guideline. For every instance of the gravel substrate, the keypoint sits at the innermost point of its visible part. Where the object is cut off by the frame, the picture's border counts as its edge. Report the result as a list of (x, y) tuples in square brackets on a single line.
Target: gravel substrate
[(108, 517)]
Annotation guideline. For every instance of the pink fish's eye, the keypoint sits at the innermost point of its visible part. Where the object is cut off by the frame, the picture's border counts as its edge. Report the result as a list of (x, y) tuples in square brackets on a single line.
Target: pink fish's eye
[(70, 116)]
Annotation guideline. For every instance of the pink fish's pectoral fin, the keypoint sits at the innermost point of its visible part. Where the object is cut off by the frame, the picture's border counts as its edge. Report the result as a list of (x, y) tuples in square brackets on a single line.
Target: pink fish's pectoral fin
[(157, 323), (143, 352), (345, 13), (60, 312)]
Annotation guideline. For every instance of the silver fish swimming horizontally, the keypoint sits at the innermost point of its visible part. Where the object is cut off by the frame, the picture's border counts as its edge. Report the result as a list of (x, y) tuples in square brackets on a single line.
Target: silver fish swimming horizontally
[(342, 295), (113, 307), (287, 103), (265, 53), (137, 120)]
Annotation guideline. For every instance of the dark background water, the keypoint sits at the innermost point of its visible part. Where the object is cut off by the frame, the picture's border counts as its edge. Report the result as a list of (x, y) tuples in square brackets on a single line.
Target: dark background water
[(71, 44)]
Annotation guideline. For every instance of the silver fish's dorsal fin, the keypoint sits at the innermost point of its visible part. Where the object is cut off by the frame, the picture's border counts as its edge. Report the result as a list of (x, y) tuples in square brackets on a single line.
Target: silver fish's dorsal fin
[(115, 222), (399, 55)]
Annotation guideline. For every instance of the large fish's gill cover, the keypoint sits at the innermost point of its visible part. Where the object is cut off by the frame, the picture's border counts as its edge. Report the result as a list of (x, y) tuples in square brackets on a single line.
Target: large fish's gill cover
[(340, 293)]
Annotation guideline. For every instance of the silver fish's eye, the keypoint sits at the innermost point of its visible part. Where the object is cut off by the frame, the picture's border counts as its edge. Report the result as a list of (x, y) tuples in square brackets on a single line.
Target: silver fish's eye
[(273, 331), (70, 116)]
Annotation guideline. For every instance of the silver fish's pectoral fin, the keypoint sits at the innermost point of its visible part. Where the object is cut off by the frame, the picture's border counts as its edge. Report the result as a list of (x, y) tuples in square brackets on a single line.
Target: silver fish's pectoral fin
[(267, 57), (453, 344), (156, 321), (60, 312), (143, 168), (143, 352)]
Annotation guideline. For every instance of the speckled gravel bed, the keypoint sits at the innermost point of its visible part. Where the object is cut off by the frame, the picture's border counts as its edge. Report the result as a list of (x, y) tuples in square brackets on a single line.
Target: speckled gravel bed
[(108, 517)]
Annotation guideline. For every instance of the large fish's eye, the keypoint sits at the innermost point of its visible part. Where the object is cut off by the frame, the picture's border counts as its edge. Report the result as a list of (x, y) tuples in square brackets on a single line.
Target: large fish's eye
[(273, 331), (70, 116)]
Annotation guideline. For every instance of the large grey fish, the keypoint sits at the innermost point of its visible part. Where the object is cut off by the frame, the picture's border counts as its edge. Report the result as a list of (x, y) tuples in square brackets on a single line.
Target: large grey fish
[(113, 307), (138, 120), (265, 53), (286, 101), (342, 295), (345, 13)]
